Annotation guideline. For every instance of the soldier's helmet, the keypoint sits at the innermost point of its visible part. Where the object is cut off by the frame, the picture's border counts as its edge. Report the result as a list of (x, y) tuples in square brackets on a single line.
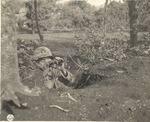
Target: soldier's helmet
[(42, 52)]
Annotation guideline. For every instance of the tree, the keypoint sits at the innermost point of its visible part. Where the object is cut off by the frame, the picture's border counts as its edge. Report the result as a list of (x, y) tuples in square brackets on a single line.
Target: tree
[(36, 19), (116, 16), (77, 15), (133, 22), (41, 13), (105, 8), (143, 15), (10, 80), (30, 15)]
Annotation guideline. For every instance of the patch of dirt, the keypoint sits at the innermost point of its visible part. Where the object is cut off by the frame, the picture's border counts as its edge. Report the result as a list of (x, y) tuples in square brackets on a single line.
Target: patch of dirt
[(124, 95)]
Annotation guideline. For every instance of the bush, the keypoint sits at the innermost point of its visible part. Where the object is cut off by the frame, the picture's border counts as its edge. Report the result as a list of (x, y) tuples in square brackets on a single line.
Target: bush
[(95, 46), (25, 50)]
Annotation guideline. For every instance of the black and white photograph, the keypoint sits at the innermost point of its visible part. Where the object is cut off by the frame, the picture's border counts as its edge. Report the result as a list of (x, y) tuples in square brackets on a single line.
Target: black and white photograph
[(75, 60)]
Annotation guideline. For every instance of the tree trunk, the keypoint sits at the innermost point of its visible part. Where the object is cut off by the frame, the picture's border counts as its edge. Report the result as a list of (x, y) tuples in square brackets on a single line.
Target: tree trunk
[(133, 22), (105, 8), (32, 19), (10, 79), (36, 19)]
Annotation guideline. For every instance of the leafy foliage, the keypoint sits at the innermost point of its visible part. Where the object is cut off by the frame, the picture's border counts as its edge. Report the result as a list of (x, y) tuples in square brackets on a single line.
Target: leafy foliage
[(51, 14), (95, 47), (78, 16), (143, 15), (116, 16), (45, 10), (25, 50)]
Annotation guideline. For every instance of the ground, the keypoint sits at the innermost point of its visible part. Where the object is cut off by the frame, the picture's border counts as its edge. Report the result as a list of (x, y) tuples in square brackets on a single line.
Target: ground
[(124, 95)]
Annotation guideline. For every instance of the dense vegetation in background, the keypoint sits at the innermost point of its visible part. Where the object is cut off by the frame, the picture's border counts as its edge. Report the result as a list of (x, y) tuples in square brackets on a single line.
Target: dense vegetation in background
[(50, 14), (45, 10), (77, 15), (143, 15), (116, 16), (72, 15)]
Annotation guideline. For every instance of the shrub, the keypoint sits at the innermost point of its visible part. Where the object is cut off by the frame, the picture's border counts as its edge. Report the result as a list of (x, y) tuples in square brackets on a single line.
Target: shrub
[(95, 46)]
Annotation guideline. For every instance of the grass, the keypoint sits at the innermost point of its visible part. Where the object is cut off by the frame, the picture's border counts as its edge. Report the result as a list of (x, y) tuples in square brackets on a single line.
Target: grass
[(69, 36), (51, 36)]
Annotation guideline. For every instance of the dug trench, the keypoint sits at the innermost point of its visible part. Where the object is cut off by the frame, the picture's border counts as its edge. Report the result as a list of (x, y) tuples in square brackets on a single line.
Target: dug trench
[(119, 92)]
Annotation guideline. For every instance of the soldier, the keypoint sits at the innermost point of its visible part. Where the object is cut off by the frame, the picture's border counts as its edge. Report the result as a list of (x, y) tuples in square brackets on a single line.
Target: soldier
[(52, 67)]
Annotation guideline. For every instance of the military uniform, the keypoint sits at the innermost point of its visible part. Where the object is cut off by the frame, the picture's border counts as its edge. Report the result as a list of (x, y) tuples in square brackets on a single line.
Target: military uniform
[(52, 68)]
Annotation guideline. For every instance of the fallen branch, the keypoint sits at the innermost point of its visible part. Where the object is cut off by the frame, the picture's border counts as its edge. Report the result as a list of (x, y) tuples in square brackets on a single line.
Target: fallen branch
[(70, 97), (75, 62), (60, 108), (73, 59)]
